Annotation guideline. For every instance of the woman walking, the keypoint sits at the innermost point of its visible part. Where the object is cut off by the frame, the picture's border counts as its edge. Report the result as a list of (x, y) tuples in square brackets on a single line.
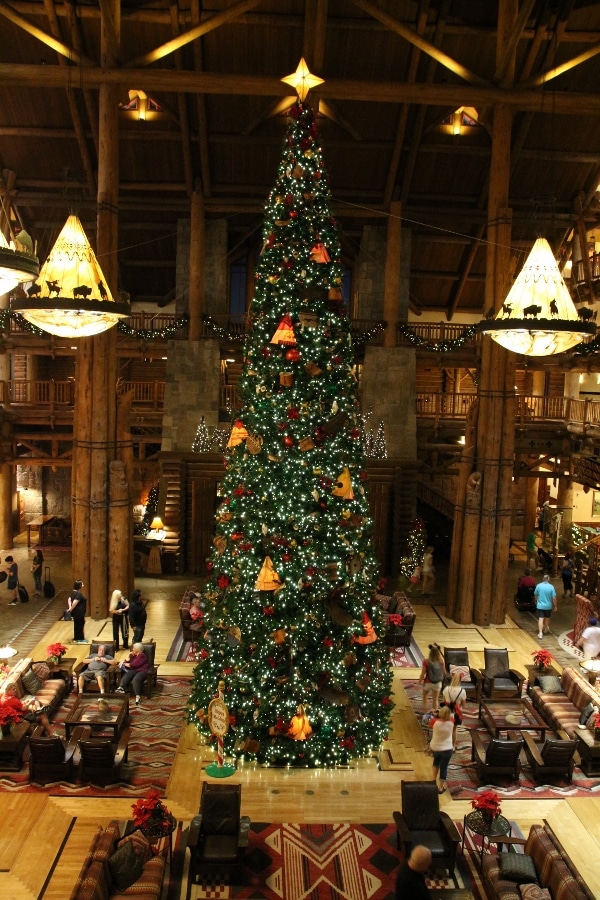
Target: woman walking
[(432, 676), (441, 746), (454, 696)]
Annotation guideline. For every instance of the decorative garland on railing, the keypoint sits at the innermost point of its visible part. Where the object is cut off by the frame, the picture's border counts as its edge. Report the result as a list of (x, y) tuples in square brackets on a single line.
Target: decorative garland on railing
[(149, 334), (584, 349), (5, 316), (446, 346), (360, 338), (222, 332)]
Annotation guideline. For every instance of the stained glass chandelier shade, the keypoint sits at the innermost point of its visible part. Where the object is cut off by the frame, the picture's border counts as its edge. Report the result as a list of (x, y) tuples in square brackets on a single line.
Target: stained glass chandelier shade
[(538, 317), (71, 298)]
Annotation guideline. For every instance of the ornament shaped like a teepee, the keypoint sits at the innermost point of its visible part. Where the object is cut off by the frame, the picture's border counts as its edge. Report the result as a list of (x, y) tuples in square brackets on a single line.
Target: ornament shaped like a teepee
[(268, 579), (343, 486), (285, 332)]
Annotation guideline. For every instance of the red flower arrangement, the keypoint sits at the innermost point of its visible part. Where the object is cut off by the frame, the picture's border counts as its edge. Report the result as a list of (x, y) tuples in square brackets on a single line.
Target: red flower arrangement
[(150, 812), (9, 713), (542, 658), (395, 619), (54, 652), (487, 801), (597, 720)]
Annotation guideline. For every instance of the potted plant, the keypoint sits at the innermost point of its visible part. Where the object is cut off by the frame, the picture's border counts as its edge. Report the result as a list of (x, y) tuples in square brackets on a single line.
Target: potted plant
[(488, 803), (542, 658), (9, 716), (151, 815), (55, 652)]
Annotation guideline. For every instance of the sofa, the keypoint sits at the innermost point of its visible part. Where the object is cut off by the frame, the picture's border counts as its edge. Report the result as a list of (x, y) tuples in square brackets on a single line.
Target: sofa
[(397, 634), (31, 679), (184, 612), (112, 861), (562, 710), (552, 869)]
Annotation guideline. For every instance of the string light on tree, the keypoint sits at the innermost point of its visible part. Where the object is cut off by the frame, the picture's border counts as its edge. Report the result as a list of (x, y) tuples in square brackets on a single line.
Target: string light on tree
[(202, 440), (416, 543), (293, 576)]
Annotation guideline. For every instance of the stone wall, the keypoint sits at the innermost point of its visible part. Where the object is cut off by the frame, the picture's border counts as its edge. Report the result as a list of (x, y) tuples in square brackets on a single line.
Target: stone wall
[(191, 391), (388, 389), (216, 267)]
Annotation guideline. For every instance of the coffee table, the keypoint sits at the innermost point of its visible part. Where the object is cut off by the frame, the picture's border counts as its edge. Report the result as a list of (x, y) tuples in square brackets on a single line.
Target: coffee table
[(493, 715), (86, 712), (12, 746)]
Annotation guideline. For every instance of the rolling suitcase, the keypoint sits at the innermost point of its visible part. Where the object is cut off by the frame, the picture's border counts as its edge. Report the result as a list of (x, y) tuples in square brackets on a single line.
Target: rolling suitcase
[(49, 589), (23, 593)]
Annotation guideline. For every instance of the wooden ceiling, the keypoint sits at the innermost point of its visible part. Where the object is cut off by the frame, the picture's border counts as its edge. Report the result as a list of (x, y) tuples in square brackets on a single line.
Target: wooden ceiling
[(394, 71)]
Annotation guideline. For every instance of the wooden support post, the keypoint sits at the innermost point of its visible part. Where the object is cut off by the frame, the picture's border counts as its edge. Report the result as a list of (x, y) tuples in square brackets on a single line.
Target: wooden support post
[(197, 253), (391, 294)]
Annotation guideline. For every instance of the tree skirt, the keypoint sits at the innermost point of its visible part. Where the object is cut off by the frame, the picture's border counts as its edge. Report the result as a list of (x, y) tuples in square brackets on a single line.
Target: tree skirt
[(336, 862), (464, 782), (156, 728)]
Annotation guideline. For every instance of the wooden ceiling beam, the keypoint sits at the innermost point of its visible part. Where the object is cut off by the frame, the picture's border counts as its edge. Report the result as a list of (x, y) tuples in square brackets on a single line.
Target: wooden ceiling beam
[(412, 37), (215, 21), (184, 123), (9, 13), (205, 187)]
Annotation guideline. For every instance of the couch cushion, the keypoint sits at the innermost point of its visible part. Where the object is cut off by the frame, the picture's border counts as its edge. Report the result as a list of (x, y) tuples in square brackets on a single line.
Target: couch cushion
[(497, 886), (550, 684), (31, 682), (463, 671), (586, 712), (140, 844), (562, 884), (125, 866), (517, 867), (534, 892), (150, 881), (42, 670)]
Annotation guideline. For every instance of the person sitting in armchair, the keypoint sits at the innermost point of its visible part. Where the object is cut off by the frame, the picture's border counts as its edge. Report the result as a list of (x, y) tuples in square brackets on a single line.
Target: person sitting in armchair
[(135, 669), (30, 709), (96, 668)]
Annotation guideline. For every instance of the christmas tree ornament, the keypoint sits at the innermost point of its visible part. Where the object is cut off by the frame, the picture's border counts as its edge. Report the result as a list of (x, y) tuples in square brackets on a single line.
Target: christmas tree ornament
[(335, 425), (286, 379), (343, 486), (254, 443), (268, 579), (220, 543), (299, 728), (308, 320), (238, 434), (292, 355), (319, 254), (313, 369), (369, 635), (285, 332), (306, 443)]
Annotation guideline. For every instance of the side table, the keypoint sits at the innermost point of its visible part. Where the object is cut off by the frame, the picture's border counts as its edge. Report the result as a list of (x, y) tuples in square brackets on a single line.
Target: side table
[(156, 834), (12, 746), (589, 751), (488, 831)]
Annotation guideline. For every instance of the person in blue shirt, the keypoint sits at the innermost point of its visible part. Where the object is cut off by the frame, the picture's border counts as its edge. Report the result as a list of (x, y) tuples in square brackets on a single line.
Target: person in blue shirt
[(545, 602)]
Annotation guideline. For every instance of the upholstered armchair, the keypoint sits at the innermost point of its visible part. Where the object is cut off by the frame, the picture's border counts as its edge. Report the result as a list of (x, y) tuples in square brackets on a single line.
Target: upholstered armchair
[(219, 835), (101, 760), (472, 679), (422, 822), (152, 676), (554, 758), (111, 674), (500, 682), (498, 758), (51, 759)]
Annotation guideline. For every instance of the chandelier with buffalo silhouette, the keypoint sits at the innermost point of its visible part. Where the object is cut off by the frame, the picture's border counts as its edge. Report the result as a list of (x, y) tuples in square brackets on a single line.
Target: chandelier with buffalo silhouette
[(538, 317), (70, 297)]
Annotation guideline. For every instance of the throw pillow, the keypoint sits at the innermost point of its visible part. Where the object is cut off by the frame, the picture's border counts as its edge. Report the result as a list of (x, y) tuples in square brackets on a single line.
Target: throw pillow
[(517, 867), (140, 844), (534, 892), (125, 866), (41, 670), (586, 713), (591, 722), (550, 684), (31, 682), (463, 671)]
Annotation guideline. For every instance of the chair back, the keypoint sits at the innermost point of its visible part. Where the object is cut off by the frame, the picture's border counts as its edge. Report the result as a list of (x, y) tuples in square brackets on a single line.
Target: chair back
[(501, 753), (97, 753), (47, 750), (220, 806), (456, 656), (150, 651), (558, 752), (496, 662), (110, 648), (421, 805)]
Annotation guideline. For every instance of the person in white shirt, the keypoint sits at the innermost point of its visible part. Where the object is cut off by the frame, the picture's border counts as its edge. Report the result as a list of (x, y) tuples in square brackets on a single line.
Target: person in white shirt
[(590, 640), (441, 746), (454, 697)]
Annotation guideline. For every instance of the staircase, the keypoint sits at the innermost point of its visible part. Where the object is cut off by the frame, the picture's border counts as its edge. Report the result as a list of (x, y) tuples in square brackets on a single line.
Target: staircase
[(172, 491)]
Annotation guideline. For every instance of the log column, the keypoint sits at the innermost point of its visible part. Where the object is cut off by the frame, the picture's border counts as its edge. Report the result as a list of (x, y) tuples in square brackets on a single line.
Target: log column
[(393, 257), (197, 254)]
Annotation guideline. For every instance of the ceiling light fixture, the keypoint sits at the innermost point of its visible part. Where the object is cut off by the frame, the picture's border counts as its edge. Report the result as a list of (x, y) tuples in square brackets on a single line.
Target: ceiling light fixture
[(18, 262), (70, 298), (538, 317)]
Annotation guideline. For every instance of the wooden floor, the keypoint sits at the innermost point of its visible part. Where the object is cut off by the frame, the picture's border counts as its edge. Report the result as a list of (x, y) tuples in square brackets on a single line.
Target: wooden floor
[(45, 838)]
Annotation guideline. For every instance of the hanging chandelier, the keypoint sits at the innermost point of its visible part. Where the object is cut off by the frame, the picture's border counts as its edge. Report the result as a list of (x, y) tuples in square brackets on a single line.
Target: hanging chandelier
[(18, 262), (538, 317), (70, 298)]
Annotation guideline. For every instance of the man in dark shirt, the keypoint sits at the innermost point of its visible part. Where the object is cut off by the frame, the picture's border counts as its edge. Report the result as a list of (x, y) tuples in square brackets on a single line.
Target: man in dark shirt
[(410, 883)]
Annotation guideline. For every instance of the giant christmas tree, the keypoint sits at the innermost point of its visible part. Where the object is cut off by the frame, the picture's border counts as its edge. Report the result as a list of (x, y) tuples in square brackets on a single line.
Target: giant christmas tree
[(290, 615)]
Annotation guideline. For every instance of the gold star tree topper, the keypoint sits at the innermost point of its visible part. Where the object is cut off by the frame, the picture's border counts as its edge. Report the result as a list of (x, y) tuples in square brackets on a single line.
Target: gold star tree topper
[(302, 80)]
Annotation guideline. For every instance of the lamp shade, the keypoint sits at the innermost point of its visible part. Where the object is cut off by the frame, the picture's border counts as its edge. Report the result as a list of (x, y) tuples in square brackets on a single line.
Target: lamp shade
[(538, 317), (6, 652), (70, 298), (156, 524), (18, 263)]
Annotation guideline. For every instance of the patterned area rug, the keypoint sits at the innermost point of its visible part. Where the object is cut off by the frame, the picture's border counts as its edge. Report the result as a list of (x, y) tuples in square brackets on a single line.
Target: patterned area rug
[(464, 782), (566, 642), (406, 657), (156, 728), (315, 862)]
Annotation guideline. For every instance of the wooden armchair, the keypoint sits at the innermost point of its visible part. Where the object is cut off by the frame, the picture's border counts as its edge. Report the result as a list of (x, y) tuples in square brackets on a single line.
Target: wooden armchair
[(422, 822), (111, 674), (218, 836), (553, 758), (499, 758), (51, 759), (500, 682), (152, 676), (473, 681), (101, 761)]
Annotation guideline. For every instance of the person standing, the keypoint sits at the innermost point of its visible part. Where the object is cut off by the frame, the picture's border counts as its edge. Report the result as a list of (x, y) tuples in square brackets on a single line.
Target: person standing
[(410, 881), (137, 616), (590, 640), (531, 547), (545, 602), (428, 573), (566, 573), (432, 676), (118, 610), (76, 604), (36, 570), (12, 570), (454, 697), (442, 746)]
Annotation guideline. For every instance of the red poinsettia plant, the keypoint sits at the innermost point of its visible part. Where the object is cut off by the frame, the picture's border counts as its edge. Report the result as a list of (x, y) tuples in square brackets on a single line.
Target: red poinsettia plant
[(597, 720), (9, 713), (55, 651), (150, 810), (488, 801), (542, 658), (395, 619)]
